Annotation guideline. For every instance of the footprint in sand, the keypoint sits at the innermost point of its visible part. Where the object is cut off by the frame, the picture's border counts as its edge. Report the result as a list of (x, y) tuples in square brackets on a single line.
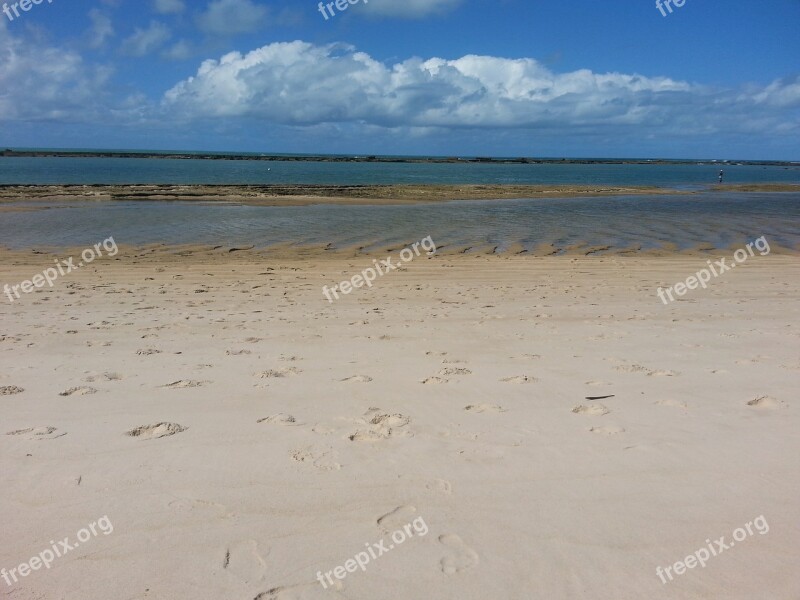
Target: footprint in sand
[(766, 403), (592, 410), (440, 485), (645, 370), (10, 390), (245, 561), (304, 591), (461, 556), (38, 433), (280, 418), (238, 352), (484, 408), (380, 426), (519, 379), (185, 383), (632, 369), (357, 379), (324, 460), (285, 358), (159, 430), (662, 373), (278, 373), (78, 391), (394, 520), (608, 430), (453, 371)]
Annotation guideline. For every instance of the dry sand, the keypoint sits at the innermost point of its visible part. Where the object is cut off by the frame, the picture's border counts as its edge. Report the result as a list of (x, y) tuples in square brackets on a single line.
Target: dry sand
[(279, 434)]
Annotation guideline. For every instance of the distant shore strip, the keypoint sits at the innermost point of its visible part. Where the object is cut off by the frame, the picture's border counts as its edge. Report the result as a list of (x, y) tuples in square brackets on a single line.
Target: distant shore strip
[(11, 153)]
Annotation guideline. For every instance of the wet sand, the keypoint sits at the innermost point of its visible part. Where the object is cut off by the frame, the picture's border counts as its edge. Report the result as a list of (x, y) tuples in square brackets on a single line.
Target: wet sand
[(301, 195)]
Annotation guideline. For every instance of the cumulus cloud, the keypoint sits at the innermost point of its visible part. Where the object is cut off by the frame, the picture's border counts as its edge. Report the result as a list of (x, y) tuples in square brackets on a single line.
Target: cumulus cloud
[(47, 83), (410, 9), (299, 83), (231, 17), (144, 41)]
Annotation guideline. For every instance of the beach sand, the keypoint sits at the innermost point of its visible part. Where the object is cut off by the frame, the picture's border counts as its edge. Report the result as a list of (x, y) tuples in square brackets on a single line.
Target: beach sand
[(282, 434)]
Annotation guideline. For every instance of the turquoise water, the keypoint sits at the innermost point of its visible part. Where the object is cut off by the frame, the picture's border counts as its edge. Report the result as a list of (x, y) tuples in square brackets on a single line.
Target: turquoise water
[(647, 221), (650, 221), (189, 171)]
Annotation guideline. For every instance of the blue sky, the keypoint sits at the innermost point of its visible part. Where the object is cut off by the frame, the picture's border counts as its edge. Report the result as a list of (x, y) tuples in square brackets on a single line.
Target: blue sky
[(447, 77)]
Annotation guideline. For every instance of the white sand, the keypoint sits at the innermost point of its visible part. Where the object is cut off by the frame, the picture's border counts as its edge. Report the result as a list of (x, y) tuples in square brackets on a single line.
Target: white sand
[(532, 492)]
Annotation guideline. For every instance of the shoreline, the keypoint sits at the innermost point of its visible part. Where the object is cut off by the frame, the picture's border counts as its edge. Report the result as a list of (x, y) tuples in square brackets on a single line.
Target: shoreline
[(305, 195)]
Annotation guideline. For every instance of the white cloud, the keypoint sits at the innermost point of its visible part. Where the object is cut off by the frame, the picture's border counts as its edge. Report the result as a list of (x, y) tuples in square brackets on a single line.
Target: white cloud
[(47, 83), (180, 50), (302, 84), (166, 7), (781, 93), (410, 9), (144, 41), (101, 29), (334, 97), (229, 17)]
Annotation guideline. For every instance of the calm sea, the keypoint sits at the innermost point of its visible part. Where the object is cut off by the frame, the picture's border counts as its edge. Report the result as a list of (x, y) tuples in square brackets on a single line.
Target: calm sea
[(188, 171), (650, 221), (707, 217)]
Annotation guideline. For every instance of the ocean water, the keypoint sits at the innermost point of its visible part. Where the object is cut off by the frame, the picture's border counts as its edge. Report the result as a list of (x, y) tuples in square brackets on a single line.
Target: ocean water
[(722, 220), (191, 171)]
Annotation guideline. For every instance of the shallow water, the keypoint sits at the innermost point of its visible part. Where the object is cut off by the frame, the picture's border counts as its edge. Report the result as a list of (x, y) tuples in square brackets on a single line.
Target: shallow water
[(143, 170), (719, 219)]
